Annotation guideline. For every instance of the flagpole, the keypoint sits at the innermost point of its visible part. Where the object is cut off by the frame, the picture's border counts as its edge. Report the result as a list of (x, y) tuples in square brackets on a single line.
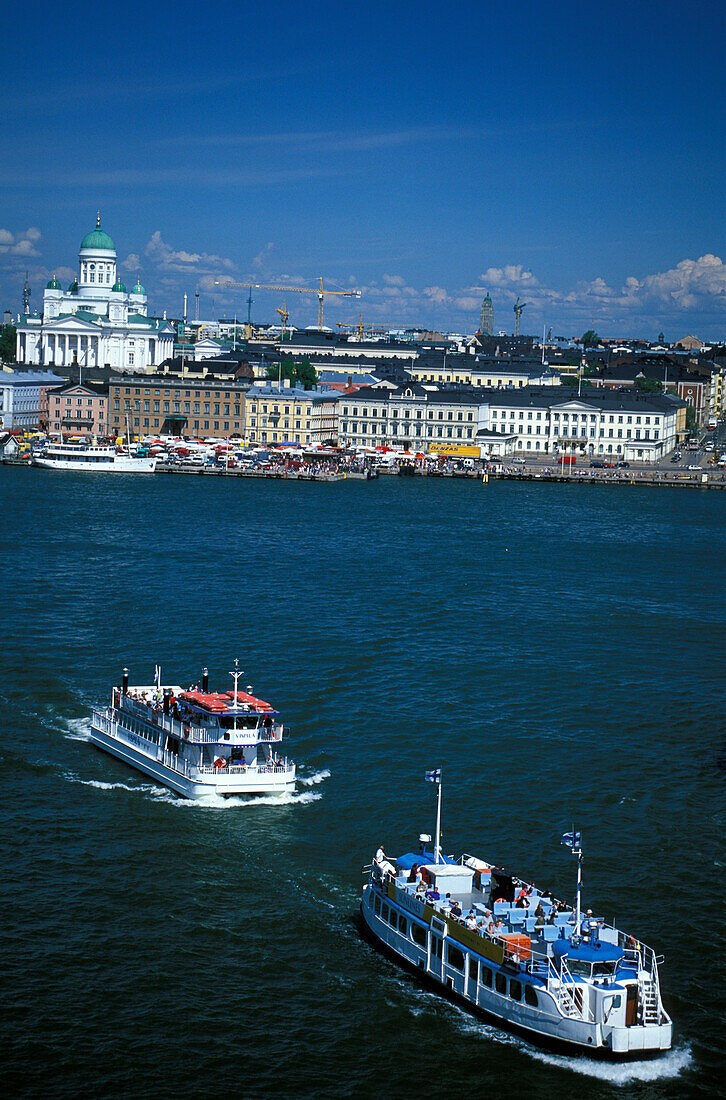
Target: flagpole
[(437, 848), (579, 882)]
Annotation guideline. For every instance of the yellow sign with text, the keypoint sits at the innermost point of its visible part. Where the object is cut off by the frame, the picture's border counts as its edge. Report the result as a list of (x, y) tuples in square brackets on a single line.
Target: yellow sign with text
[(453, 450)]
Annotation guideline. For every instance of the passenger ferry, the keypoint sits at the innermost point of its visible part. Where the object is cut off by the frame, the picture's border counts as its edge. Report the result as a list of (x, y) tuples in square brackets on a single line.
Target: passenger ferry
[(196, 742), (89, 458), (503, 950)]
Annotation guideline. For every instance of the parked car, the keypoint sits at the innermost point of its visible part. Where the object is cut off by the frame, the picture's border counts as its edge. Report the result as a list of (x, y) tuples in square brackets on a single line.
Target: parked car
[(623, 465)]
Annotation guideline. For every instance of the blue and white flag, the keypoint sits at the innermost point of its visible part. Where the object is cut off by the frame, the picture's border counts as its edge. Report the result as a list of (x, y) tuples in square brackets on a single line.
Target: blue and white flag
[(157, 674), (433, 776), (572, 840)]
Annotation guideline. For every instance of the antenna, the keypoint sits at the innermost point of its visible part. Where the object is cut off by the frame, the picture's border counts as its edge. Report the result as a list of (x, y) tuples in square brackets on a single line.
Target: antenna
[(196, 307)]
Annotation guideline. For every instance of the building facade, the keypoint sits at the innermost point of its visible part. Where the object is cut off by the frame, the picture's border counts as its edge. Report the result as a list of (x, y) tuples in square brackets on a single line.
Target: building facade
[(95, 322), (486, 318), (413, 417), (24, 398), (78, 410), (291, 414), (627, 425), (161, 404)]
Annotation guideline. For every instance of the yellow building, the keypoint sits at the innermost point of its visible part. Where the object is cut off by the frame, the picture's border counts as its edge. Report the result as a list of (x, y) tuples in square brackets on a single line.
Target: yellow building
[(284, 414)]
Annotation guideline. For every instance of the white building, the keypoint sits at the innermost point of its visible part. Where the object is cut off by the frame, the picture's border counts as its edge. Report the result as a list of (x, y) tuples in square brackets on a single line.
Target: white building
[(96, 322), (23, 396)]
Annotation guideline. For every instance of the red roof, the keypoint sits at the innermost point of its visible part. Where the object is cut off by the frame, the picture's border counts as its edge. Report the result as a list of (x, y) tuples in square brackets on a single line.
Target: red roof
[(250, 700)]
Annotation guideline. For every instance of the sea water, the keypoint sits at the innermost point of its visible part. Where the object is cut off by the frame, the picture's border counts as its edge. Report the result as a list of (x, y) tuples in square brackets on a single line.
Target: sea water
[(556, 649)]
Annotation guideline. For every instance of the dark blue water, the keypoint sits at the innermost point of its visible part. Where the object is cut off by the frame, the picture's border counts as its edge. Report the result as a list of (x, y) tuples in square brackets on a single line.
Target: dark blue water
[(557, 650)]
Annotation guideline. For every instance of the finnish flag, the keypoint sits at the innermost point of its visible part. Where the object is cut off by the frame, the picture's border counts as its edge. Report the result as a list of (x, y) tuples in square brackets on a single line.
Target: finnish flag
[(572, 840), (157, 673), (433, 776)]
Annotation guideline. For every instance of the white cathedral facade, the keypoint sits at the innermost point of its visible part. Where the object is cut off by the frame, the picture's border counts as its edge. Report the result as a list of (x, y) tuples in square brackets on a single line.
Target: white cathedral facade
[(96, 322)]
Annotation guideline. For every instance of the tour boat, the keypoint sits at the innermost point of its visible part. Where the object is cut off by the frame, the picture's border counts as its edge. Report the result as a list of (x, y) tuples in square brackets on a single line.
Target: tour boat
[(89, 458), (502, 950), (196, 742)]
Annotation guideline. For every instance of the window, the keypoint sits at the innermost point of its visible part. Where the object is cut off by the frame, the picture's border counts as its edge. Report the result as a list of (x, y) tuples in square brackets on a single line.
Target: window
[(402, 924), (530, 996), (473, 968), (418, 934), (454, 956), (515, 990), (486, 976), (436, 946), (386, 913), (501, 983)]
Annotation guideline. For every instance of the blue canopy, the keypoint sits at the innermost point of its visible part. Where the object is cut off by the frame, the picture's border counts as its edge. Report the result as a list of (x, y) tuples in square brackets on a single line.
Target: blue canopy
[(406, 862), (599, 952)]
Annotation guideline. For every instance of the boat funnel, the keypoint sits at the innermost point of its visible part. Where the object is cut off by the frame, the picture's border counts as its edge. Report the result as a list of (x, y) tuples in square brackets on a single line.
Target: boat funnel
[(167, 701), (205, 679), (125, 682)]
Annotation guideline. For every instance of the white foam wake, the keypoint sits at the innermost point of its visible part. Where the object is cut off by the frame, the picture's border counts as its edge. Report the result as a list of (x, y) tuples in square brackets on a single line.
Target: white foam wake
[(143, 788), (621, 1073), (79, 729), (312, 780), (217, 802)]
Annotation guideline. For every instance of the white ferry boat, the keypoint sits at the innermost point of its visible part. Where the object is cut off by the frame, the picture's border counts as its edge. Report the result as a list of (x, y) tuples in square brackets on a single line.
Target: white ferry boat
[(196, 742), (497, 946), (89, 458)]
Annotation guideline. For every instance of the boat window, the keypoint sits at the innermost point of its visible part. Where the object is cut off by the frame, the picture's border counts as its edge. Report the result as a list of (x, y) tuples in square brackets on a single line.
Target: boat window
[(530, 996), (473, 968), (454, 956), (501, 983), (436, 946), (600, 970), (402, 924), (386, 914), (515, 990), (486, 976), (377, 905), (418, 934), (579, 968)]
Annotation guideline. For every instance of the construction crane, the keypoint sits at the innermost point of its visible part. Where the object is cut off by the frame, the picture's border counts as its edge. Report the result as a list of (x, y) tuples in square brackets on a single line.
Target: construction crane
[(518, 314), (320, 291), (284, 318), (360, 328)]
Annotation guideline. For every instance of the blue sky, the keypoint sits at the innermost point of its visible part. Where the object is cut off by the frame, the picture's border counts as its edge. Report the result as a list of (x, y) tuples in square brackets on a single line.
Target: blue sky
[(570, 154)]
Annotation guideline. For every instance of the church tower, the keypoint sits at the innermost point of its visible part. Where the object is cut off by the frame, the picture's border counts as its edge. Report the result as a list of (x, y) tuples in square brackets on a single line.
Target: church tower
[(486, 321)]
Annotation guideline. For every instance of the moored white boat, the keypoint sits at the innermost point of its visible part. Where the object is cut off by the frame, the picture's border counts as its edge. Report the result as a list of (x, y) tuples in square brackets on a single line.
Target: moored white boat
[(196, 742), (505, 951), (90, 458)]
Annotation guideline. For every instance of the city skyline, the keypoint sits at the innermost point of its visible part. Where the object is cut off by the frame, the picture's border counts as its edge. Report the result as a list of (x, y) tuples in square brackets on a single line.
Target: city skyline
[(568, 158)]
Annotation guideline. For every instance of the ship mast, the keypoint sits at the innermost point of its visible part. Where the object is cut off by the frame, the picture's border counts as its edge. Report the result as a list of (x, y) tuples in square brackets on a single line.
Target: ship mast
[(236, 675)]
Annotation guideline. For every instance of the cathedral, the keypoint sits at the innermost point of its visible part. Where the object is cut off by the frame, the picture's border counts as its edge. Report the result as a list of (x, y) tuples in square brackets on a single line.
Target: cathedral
[(96, 322)]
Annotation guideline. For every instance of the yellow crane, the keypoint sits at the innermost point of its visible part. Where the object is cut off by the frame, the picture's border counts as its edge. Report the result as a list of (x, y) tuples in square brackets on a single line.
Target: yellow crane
[(284, 318), (320, 291), (360, 328)]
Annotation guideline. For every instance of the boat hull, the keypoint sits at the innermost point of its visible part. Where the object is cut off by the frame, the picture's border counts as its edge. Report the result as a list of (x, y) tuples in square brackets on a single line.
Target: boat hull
[(120, 465), (222, 785), (556, 1042)]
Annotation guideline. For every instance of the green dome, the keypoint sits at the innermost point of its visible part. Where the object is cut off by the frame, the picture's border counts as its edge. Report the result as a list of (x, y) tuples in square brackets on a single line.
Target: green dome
[(73, 288), (138, 289), (119, 286), (53, 284), (98, 239)]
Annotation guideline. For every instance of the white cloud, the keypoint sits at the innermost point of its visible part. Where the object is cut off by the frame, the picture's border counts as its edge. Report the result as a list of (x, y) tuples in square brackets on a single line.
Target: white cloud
[(20, 244), (512, 275), (169, 259), (132, 263)]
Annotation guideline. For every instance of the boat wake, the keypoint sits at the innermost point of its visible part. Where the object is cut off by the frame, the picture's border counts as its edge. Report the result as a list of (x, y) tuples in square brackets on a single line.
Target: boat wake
[(312, 780), (614, 1073), (143, 788), (217, 802), (79, 729)]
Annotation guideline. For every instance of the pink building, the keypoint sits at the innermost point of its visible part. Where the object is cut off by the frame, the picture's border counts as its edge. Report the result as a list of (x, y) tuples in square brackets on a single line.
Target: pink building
[(78, 410)]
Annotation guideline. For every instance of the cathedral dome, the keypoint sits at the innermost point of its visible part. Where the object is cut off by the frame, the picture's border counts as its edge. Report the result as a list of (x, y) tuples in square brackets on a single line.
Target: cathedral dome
[(53, 284), (118, 286), (73, 288), (97, 238), (138, 289)]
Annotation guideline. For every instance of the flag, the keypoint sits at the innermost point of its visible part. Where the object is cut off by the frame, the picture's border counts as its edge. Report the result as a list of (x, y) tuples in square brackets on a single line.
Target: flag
[(572, 840), (433, 776), (157, 673)]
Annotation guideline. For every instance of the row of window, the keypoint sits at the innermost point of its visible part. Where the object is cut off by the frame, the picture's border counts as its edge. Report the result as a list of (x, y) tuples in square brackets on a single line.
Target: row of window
[(455, 957), (198, 425), (126, 391), (354, 428), (502, 414), (406, 414)]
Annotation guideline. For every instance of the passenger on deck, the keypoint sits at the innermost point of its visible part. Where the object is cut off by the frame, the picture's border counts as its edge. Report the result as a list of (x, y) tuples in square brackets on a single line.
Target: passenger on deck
[(384, 866), (522, 902), (413, 875), (420, 889), (539, 914), (425, 876), (455, 908), (471, 921), (499, 927), (433, 894), (588, 927)]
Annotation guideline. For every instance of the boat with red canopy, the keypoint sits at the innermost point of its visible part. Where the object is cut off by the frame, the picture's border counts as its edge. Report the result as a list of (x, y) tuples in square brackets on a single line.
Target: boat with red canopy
[(196, 741)]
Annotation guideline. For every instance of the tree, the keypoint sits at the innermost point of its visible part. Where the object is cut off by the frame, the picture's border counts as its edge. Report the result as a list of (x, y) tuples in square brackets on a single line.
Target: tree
[(7, 343), (648, 385), (590, 339), (298, 374), (690, 417), (574, 380)]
